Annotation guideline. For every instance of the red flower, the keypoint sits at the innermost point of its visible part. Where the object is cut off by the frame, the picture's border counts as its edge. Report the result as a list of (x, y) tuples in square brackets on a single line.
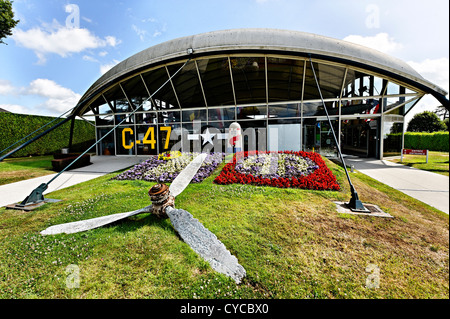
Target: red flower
[(322, 178)]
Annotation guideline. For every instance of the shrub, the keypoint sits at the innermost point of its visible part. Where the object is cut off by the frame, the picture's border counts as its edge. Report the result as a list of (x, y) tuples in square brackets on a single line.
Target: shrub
[(436, 141), (16, 126)]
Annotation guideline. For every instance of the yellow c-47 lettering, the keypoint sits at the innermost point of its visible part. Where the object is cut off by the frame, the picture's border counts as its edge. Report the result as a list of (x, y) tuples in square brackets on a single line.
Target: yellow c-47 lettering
[(149, 137)]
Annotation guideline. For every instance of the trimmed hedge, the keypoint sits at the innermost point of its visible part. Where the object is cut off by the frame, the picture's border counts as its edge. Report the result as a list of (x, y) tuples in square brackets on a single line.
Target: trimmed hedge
[(14, 127), (436, 141)]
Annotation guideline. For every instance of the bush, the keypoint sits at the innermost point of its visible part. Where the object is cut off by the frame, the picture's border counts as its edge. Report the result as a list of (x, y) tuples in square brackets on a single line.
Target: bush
[(16, 126), (437, 141)]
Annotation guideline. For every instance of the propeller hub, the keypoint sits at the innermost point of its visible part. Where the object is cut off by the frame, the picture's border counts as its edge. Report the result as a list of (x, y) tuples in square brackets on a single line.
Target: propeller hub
[(161, 199)]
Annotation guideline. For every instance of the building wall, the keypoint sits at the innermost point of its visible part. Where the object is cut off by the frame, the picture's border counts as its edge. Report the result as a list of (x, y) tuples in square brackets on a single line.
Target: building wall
[(262, 93)]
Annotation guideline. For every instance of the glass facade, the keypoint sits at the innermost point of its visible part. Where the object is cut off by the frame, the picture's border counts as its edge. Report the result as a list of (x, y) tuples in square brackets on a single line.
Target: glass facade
[(275, 99)]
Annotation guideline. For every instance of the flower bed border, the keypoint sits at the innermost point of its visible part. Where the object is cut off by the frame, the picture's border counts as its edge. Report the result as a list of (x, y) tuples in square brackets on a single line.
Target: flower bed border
[(321, 179), (139, 171)]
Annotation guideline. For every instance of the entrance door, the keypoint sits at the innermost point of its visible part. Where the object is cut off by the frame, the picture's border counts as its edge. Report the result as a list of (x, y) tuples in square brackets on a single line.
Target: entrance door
[(360, 137), (311, 138)]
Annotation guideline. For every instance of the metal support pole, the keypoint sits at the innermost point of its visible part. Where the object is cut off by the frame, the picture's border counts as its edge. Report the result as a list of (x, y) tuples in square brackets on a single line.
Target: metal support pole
[(355, 204), (36, 195), (71, 133)]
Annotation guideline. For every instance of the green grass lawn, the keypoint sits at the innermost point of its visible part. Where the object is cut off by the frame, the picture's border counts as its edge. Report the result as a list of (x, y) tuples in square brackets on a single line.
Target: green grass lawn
[(292, 243), (438, 162), (18, 169)]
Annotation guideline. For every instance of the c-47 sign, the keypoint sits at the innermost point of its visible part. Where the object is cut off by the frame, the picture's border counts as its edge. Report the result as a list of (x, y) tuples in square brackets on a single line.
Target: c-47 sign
[(149, 137)]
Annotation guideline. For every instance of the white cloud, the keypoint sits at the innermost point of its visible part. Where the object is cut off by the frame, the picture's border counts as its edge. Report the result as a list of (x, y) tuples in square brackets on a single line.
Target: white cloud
[(106, 67), (434, 70), (6, 88), (437, 72), (140, 32), (53, 99), (61, 40), (381, 42), (15, 108), (89, 58), (59, 98)]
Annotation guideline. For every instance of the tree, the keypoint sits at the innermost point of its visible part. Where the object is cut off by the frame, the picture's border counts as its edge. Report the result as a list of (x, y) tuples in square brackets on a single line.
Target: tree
[(442, 111), (446, 122), (7, 22), (426, 122)]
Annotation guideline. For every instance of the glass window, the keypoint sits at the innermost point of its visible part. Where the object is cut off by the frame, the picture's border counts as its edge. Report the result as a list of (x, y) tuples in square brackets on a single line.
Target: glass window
[(358, 84), (365, 106), (392, 141), (154, 80), (190, 138), (136, 92), (126, 118), (393, 102), (251, 112), (249, 79), (410, 104), (117, 99), (101, 120), (330, 80), (318, 136), (285, 77), (192, 115), (216, 81), (284, 110), (100, 106), (169, 116), (221, 114), (221, 125), (254, 135), (317, 108), (146, 118), (146, 139), (125, 140), (168, 136), (355, 135), (284, 135), (393, 88), (187, 85), (106, 146)]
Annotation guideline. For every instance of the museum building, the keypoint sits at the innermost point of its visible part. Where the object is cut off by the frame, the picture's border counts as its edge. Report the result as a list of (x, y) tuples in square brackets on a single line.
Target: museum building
[(262, 79)]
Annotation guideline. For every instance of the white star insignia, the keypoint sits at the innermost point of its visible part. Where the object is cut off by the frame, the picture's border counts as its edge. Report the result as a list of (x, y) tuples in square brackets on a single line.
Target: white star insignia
[(207, 137)]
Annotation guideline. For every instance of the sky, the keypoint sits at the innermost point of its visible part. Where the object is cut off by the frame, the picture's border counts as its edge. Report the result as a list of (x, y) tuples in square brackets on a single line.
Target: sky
[(61, 47)]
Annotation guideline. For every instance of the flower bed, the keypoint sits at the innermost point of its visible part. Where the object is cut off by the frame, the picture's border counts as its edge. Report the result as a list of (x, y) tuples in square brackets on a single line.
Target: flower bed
[(279, 169), (165, 167)]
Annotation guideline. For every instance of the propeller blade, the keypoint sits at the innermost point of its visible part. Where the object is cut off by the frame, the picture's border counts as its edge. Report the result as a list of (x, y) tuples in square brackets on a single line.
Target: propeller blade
[(83, 225), (176, 187), (205, 243), (184, 178)]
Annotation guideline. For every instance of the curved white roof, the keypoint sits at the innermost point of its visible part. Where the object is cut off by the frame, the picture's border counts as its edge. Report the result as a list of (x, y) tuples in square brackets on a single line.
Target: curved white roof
[(266, 40)]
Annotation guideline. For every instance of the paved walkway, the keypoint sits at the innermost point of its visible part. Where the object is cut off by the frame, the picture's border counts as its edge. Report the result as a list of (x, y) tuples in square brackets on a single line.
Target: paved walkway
[(101, 165), (430, 188)]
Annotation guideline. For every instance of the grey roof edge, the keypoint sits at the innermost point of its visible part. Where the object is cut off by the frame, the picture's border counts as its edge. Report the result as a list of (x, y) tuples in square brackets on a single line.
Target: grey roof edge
[(295, 42)]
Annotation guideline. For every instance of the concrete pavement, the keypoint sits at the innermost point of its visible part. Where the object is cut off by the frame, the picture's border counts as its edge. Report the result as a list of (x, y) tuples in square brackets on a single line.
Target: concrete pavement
[(101, 165), (430, 188)]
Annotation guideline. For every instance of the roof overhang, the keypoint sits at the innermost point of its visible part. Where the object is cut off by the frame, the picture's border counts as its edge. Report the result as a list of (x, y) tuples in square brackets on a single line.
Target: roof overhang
[(267, 41)]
